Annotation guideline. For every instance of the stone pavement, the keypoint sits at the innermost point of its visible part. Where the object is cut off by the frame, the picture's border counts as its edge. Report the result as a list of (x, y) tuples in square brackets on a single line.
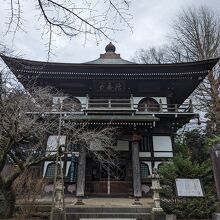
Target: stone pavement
[(103, 202)]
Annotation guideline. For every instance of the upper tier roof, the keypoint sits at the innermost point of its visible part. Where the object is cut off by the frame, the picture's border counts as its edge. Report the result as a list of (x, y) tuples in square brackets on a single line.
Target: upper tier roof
[(176, 80), (108, 68)]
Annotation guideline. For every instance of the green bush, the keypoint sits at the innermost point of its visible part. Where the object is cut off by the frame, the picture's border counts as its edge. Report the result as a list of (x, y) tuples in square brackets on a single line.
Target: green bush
[(182, 166)]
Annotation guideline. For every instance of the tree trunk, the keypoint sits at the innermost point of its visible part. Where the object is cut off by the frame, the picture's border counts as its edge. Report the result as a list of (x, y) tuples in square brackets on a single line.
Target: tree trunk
[(7, 201)]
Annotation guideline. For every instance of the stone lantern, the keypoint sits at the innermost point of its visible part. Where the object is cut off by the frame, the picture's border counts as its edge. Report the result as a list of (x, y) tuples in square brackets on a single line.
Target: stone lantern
[(157, 211), (156, 189)]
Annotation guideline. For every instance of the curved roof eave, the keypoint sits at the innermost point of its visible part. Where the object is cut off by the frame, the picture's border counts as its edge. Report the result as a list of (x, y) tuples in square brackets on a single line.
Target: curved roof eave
[(44, 63), (16, 64)]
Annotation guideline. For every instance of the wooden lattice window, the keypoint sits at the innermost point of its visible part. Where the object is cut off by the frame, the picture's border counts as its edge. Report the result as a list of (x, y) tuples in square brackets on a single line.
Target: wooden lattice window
[(144, 144), (72, 172), (145, 172), (50, 172)]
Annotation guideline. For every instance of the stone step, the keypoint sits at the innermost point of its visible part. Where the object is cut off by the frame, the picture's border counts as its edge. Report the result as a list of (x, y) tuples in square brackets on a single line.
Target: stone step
[(139, 216), (98, 212), (73, 213), (98, 209), (114, 215), (107, 218), (92, 209)]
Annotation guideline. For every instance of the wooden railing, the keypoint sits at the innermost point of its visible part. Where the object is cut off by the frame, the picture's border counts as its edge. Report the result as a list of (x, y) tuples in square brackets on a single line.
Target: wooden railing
[(127, 104), (109, 103)]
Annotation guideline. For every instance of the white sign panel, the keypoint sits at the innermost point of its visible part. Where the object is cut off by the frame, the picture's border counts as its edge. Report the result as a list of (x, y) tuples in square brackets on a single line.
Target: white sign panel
[(189, 188)]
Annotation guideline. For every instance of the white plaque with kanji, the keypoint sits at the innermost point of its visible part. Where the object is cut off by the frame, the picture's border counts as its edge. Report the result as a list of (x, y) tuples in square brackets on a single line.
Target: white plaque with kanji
[(189, 188)]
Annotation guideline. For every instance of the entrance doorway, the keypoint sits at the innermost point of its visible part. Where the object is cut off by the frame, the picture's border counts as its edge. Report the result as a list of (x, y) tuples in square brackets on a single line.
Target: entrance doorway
[(106, 179)]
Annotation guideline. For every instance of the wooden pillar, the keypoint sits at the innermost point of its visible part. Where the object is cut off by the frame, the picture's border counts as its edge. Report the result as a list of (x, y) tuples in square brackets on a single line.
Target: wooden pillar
[(80, 190), (136, 166)]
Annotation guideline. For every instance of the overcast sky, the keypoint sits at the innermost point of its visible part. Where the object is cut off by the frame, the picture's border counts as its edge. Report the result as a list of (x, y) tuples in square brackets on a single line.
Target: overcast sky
[(151, 24)]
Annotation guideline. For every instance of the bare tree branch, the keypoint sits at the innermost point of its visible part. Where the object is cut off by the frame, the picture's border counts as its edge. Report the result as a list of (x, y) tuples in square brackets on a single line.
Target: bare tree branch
[(196, 37), (69, 18)]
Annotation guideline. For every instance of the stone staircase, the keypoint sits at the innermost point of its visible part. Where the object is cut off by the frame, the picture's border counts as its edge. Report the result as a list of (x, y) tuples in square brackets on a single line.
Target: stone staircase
[(108, 213), (99, 208), (95, 212)]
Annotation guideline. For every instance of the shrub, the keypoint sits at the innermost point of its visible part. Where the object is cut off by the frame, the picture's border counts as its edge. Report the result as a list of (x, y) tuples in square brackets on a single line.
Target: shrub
[(182, 167)]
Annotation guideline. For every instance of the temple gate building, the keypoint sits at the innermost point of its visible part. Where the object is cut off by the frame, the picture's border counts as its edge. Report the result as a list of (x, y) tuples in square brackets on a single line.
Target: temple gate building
[(146, 102)]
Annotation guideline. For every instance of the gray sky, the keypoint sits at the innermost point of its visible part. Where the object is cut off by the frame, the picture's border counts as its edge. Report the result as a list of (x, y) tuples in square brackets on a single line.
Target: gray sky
[(151, 23)]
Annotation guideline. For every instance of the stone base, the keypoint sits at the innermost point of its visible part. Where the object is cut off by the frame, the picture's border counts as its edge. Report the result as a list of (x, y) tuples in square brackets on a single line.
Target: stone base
[(136, 202), (158, 215), (157, 209), (79, 202), (170, 217), (216, 216)]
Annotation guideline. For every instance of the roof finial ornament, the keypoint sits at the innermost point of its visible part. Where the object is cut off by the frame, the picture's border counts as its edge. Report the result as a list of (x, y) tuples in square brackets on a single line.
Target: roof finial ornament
[(110, 48)]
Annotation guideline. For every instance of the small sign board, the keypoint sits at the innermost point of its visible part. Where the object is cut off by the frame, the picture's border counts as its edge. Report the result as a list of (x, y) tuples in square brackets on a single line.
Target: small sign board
[(189, 188)]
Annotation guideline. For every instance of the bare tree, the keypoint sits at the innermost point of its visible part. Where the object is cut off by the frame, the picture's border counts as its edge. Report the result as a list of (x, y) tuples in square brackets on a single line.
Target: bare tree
[(168, 53), (197, 33), (152, 55), (22, 137), (196, 36), (71, 18), (28, 188), (26, 121), (99, 142)]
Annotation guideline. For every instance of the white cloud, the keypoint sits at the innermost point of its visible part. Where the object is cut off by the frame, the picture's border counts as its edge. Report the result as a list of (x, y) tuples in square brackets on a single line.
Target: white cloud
[(151, 20)]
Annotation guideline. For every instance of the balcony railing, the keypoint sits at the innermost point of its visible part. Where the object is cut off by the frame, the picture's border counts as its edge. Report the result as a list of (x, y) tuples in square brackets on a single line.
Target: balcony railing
[(109, 104), (128, 104), (123, 105)]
